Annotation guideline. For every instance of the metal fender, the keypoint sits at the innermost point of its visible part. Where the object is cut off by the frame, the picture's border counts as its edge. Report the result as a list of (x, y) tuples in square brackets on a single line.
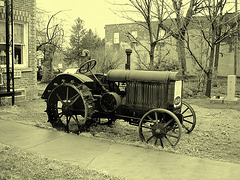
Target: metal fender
[(66, 78)]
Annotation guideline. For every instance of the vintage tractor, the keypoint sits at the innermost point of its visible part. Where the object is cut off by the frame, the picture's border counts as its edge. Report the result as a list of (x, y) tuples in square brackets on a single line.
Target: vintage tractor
[(151, 100)]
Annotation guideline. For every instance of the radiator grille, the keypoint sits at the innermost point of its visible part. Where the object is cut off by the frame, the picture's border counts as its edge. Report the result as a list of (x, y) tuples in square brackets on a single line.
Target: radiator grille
[(147, 95)]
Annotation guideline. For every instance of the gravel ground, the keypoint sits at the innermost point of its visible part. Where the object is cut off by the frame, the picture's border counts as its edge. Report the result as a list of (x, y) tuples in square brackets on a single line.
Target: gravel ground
[(216, 135)]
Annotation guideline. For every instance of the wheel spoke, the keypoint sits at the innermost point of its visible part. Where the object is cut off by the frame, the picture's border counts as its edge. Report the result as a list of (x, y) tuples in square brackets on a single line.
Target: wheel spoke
[(169, 141), (185, 110), (185, 128), (187, 121), (168, 123), (156, 117), (188, 116), (164, 117), (171, 135), (147, 127), (67, 93), (148, 131), (75, 100), (73, 97), (59, 98), (149, 138), (68, 118), (155, 143), (173, 128), (161, 142), (149, 118), (76, 119)]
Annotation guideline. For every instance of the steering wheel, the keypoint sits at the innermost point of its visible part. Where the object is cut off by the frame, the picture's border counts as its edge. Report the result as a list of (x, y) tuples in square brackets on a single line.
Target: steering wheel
[(87, 66)]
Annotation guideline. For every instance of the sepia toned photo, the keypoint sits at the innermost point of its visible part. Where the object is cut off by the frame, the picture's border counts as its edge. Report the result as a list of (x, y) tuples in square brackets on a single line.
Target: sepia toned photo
[(120, 89)]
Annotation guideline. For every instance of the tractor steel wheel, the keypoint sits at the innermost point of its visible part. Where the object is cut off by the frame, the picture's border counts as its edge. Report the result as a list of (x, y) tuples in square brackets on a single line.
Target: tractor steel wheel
[(189, 117), (160, 127), (69, 107)]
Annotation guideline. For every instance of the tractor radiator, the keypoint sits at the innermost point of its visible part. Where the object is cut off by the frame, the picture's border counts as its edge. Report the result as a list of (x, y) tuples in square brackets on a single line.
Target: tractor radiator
[(148, 95)]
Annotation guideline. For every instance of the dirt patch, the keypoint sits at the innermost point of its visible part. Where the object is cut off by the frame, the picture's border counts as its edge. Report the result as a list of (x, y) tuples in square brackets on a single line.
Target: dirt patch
[(216, 135)]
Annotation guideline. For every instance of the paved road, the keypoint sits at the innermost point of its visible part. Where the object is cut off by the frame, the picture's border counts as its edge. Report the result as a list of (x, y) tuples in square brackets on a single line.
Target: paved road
[(115, 159)]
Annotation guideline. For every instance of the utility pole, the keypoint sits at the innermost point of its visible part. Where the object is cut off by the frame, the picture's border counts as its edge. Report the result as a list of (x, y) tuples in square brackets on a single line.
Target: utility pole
[(236, 40)]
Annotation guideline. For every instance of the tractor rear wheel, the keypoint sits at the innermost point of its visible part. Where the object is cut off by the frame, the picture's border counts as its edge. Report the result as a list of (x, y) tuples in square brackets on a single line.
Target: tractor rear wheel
[(160, 127), (69, 107)]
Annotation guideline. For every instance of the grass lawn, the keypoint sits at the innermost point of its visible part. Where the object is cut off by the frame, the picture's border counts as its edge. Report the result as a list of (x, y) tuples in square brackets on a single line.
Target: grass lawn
[(18, 164)]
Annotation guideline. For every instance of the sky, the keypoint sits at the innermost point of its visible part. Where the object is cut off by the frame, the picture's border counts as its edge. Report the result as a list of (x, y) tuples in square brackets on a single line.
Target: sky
[(95, 13)]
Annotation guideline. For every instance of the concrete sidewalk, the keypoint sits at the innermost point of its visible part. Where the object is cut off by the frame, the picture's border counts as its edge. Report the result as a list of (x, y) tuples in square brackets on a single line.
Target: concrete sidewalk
[(115, 159)]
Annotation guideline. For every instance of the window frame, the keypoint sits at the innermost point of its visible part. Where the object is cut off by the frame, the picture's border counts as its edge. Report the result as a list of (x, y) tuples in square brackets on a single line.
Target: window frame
[(24, 47), (116, 39), (135, 34)]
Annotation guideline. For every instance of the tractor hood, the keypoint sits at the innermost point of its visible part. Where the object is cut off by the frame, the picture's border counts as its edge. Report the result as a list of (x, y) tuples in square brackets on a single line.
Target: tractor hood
[(143, 76)]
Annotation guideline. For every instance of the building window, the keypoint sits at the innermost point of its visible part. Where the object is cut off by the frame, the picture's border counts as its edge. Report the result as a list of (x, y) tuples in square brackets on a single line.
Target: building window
[(20, 43), (162, 34), (134, 34), (116, 38)]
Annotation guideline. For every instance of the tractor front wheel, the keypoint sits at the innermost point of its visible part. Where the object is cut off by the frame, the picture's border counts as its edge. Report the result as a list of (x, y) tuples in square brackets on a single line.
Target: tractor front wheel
[(160, 127)]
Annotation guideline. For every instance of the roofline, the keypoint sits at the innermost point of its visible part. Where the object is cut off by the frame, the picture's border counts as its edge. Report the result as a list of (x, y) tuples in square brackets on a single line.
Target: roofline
[(136, 23)]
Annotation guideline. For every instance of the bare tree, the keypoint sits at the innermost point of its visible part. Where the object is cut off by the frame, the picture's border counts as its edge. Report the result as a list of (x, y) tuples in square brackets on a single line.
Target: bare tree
[(217, 27), (106, 61), (155, 14), (179, 24), (49, 39), (150, 12)]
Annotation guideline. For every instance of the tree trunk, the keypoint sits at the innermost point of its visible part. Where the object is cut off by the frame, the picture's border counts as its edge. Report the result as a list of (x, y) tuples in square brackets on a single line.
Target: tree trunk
[(181, 56), (48, 68), (209, 75), (211, 60), (215, 69), (151, 54)]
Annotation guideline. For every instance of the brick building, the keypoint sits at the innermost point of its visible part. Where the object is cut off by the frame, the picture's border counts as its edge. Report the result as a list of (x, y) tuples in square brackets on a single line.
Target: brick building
[(117, 39), (24, 18)]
